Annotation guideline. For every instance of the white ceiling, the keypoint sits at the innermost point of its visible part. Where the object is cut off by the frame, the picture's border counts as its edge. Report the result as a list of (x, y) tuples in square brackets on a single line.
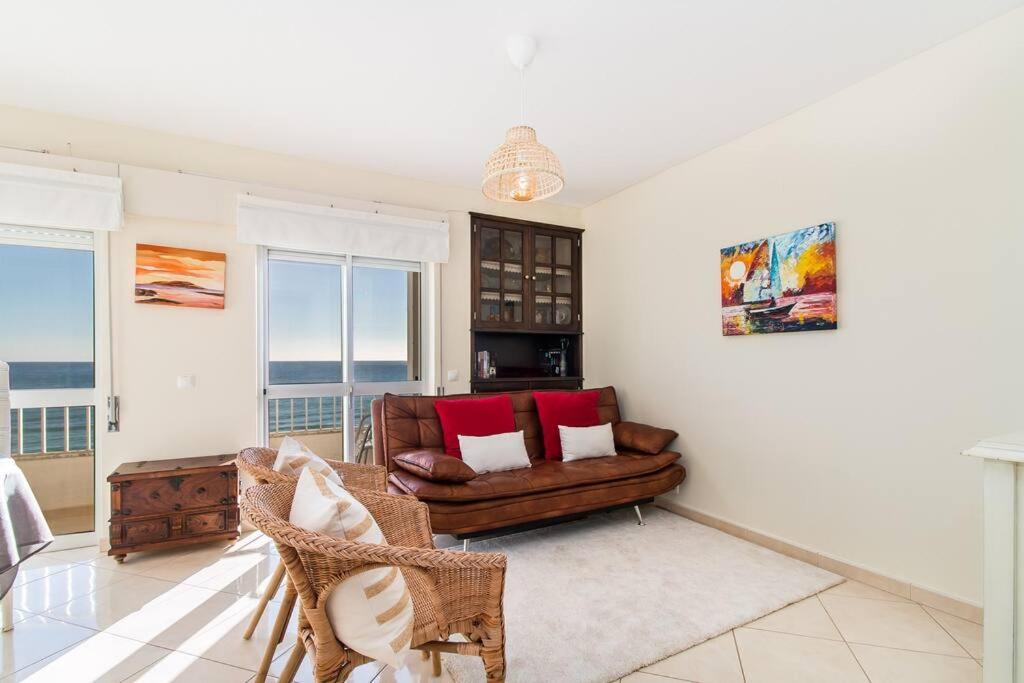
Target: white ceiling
[(619, 90)]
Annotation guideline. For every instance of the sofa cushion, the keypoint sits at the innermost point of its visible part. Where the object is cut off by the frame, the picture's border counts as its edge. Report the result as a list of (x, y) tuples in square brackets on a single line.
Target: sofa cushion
[(462, 517), (480, 417), (494, 453), (564, 409), (545, 475), (434, 465), (644, 438)]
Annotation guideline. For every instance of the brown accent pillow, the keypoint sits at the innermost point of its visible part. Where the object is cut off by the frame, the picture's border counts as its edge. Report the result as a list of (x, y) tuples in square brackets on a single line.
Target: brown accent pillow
[(644, 438), (434, 465)]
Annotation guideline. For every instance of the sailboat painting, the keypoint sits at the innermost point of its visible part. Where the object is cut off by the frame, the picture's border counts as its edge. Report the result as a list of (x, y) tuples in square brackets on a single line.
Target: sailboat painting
[(785, 283)]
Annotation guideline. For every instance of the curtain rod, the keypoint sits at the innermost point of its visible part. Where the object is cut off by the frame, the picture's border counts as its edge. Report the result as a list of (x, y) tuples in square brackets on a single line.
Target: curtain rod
[(43, 151)]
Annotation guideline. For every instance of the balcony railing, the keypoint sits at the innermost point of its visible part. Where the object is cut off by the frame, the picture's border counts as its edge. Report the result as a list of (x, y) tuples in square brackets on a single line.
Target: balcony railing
[(54, 430)]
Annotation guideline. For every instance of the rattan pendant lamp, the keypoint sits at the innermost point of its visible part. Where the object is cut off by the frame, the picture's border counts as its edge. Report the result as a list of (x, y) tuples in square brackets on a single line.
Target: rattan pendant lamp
[(522, 169)]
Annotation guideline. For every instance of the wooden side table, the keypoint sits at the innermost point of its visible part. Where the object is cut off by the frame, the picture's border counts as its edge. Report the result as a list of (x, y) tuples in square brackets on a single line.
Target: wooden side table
[(170, 503)]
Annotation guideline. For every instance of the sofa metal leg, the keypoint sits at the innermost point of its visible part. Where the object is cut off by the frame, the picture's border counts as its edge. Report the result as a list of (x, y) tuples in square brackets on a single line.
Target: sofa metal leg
[(639, 517), (465, 545)]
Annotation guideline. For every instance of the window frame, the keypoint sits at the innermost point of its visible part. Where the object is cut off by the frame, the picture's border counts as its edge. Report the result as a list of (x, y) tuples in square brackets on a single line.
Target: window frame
[(348, 389), (97, 242)]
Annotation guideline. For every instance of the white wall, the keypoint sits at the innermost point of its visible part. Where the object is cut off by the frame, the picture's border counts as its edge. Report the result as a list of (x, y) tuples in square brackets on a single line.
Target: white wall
[(152, 344), (847, 441)]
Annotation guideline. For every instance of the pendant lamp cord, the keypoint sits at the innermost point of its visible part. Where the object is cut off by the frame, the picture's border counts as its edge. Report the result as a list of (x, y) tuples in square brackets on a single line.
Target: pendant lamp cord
[(522, 95)]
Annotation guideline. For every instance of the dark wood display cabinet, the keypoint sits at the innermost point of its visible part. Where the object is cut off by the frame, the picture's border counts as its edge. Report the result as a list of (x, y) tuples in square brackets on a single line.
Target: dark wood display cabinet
[(527, 305)]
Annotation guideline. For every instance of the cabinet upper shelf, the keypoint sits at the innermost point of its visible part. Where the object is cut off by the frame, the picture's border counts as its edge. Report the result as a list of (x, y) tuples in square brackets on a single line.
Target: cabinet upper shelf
[(526, 276)]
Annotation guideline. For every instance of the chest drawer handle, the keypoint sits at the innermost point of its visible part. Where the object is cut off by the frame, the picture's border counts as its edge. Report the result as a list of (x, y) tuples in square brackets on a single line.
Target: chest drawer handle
[(201, 490), (225, 501), (177, 506)]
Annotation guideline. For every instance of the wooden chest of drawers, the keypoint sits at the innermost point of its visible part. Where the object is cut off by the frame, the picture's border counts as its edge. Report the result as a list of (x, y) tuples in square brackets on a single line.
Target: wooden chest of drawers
[(167, 503)]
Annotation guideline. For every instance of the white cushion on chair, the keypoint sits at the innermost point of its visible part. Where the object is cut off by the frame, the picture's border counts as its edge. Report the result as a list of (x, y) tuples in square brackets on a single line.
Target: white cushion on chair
[(293, 457), (372, 611)]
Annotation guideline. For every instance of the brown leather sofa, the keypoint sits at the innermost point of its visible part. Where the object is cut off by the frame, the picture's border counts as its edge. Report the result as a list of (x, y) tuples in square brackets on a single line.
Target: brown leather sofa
[(408, 426)]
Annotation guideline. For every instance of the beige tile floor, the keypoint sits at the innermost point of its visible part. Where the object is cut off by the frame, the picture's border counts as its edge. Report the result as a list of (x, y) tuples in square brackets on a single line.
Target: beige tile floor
[(178, 616)]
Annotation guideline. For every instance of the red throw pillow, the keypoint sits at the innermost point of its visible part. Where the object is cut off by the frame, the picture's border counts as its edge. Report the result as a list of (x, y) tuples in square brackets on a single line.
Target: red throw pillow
[(564, 409), (474, 417)]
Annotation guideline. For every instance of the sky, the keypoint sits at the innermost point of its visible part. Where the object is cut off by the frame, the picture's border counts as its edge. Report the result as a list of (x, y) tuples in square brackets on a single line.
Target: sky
[(46, 304), (305, 312)]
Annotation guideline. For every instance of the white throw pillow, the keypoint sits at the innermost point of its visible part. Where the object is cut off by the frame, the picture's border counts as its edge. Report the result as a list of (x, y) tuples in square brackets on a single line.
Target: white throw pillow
[(579, 443), (372, 611), (293, 457), (494, 453)]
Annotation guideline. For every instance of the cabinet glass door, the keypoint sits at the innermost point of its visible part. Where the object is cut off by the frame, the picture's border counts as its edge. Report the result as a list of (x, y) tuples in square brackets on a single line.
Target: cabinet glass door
[(501, 276), (555, 299)]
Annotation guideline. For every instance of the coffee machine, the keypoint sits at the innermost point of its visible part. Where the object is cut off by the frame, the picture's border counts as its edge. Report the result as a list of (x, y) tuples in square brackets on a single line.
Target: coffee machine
[(556, 361)]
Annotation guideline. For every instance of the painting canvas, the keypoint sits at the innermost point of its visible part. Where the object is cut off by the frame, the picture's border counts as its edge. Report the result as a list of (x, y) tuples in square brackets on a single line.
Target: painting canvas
[(785, 283), (170, 276)]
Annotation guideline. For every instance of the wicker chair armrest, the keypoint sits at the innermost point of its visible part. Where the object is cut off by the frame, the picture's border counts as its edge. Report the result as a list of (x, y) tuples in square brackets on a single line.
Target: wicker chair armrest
[(349, 551), (356, 475), (404, 521), (467, 594)]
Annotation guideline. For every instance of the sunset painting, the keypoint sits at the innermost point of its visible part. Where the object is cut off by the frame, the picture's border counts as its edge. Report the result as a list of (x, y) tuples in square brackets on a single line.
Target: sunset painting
[(170, 276), (785, 283)]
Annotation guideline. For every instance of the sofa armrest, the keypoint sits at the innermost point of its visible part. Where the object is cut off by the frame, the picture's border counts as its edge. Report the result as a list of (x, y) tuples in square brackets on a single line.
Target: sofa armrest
[(432, 464), (640, 437)]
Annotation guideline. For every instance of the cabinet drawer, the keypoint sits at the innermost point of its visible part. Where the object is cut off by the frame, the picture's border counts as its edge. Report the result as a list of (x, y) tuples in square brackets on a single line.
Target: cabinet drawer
[(145, 531), (173, 493), (204, 523)]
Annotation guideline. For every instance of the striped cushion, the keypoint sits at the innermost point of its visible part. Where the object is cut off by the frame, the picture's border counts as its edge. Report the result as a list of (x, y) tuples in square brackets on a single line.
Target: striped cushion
[(371, 612), (293, 457)]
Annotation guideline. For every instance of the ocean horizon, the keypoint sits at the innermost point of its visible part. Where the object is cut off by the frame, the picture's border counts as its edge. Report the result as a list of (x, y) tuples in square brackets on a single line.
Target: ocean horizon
[(285, 415)]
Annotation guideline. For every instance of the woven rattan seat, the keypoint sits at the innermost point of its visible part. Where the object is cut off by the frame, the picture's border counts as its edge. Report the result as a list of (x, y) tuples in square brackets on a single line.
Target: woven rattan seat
[(464, 590)]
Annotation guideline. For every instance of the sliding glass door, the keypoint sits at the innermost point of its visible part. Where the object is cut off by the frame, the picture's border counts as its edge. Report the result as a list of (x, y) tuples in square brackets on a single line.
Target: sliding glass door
[(337, 332), (48, 314)]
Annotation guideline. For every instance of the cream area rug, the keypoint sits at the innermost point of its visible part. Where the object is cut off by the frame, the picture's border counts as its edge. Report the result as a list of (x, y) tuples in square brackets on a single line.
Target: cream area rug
[(593, 600)]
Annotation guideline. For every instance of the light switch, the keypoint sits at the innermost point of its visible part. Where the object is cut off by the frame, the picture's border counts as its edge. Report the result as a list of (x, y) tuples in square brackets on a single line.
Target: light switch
[(186, 381), (453, 375)]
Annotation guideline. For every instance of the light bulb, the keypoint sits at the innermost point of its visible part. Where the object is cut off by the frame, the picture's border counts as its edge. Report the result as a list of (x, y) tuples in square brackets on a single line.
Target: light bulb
[(524, 187)]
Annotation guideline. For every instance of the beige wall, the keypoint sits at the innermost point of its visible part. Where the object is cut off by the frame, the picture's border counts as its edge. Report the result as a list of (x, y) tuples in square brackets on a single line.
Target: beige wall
[(845, 442), (153, 345)]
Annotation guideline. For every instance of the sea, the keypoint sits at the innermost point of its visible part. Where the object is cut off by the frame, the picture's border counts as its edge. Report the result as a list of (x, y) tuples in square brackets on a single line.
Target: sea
[(285, 415)]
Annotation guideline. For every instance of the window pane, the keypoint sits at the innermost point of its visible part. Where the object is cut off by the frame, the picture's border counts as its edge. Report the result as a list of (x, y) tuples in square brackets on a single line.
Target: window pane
[(47, 309), (386, 324), (46, 305), (316, 421), (490, 243), (563, 251), (512, 242), (304, 315)]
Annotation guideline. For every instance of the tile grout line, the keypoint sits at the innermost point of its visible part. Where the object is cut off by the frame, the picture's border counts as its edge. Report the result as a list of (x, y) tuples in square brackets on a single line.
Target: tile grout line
[(739, 658), (955, 640), (845, 641)]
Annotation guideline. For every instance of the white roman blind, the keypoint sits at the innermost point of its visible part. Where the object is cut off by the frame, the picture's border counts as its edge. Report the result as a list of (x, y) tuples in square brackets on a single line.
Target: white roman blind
[(55, 198), (412, 235)]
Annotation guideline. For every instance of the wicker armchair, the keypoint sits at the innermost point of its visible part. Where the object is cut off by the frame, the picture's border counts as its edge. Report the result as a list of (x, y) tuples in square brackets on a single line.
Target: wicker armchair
[(256, 466), (452, 591)]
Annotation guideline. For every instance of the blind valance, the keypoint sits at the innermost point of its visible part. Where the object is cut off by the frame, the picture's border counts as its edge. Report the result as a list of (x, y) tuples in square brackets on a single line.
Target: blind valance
[(54, 198), (418, 236)]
